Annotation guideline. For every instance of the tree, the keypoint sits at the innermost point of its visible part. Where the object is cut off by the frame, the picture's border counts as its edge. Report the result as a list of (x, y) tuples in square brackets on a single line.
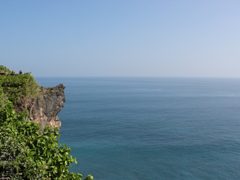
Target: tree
[(26, 153)]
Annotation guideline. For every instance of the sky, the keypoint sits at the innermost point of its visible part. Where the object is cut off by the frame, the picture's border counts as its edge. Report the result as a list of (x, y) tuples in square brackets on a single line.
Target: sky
[(121, 38)]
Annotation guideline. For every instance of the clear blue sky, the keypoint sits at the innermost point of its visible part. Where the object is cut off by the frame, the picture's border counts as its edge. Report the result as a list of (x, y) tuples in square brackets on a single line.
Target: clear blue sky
[(164, 38)]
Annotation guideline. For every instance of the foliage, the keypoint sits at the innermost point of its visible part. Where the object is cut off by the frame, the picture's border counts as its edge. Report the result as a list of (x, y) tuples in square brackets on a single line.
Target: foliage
[(26, 153), (5, 69), (3, 98), (16, 86)]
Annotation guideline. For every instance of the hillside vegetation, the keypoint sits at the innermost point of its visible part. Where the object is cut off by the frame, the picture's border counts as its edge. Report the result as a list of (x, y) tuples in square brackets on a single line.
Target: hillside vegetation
[(26, 153), (14, 87)]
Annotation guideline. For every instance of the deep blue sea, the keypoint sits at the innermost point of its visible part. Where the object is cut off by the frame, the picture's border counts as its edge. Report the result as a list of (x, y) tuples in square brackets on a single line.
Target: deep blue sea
[(152, 128)]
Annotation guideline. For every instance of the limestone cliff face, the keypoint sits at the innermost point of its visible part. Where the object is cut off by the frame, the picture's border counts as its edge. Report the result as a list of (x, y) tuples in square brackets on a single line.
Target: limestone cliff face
[(44, 109)]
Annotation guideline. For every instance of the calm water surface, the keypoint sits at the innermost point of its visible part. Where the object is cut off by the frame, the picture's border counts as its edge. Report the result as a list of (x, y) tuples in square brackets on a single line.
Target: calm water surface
[(152, 128)]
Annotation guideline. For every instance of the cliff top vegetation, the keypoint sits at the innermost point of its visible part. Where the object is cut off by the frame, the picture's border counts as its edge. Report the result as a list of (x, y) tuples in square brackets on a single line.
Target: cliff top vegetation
[(25, 152), (14, 87)]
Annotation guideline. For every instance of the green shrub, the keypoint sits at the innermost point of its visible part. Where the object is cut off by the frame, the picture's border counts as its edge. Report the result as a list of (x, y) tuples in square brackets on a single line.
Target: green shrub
[(3, 98), (17, 86), (5, 69), (26, 153)]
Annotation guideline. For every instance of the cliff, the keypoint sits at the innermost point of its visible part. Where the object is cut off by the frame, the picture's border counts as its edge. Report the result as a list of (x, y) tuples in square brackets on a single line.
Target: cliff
[(45, 108)]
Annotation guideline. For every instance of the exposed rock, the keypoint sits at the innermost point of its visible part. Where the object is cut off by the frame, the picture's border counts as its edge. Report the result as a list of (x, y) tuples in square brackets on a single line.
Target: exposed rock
[(44, 109)]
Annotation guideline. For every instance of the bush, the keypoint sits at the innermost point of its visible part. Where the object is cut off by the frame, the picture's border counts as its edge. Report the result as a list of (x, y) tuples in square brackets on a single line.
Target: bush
[(17, 86), (3, 98), (26, 153), (5, 69)]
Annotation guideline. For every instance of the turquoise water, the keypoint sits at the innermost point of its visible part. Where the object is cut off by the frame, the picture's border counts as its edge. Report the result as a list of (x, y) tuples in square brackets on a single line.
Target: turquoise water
[(152, 128)]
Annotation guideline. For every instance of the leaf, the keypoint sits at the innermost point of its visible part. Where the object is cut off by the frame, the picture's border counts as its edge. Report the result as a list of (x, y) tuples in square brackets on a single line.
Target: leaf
[(49, 161)]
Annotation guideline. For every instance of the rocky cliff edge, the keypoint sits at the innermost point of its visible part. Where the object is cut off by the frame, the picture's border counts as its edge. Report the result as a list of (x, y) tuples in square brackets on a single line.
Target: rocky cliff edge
[(44, 109)]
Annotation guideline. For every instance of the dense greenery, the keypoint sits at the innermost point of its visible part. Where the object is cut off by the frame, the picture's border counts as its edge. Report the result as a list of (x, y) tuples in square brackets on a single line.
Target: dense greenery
[(26, 153), (16, 86), (3, 98), (5, 69)]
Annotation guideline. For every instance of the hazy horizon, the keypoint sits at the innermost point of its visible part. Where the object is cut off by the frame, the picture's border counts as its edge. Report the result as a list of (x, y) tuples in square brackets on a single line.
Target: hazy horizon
[(121, 38)]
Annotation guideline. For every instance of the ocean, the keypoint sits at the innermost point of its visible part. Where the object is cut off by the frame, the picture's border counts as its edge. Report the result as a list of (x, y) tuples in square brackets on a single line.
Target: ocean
[(152, 128)]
